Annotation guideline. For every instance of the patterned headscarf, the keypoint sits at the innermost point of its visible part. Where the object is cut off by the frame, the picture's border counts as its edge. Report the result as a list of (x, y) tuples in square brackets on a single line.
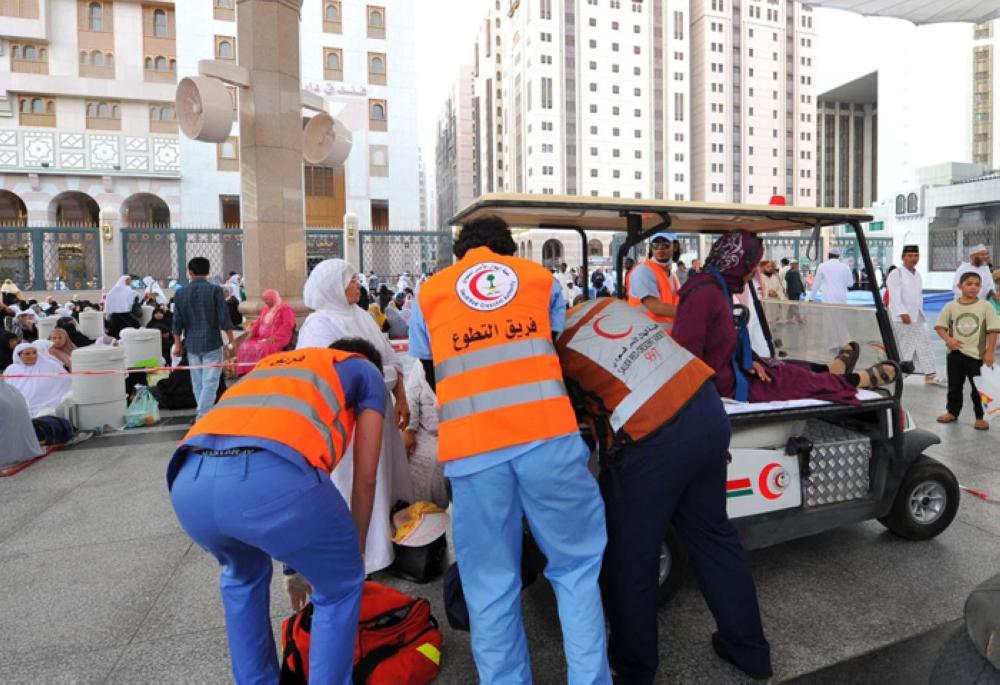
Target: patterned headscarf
[(735, 255)]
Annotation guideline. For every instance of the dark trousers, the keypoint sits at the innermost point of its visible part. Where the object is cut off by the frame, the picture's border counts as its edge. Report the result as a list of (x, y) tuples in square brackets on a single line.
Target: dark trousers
[(677, 473), (960, 367)]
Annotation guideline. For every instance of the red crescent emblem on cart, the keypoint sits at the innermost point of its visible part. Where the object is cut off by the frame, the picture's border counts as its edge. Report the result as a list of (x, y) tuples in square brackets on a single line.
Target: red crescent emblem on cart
[(770, 479), (605, 334)]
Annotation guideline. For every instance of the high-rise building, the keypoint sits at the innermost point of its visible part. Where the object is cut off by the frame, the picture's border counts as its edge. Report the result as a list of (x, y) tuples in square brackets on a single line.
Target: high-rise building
[(422, 171), (87, 122), (456, 162), (985, 95), (847, 144), (582, 97), (753, 101)]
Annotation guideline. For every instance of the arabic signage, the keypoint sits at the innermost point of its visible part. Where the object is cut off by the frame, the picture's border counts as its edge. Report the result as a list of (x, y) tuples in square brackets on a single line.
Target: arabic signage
[(331, 88)]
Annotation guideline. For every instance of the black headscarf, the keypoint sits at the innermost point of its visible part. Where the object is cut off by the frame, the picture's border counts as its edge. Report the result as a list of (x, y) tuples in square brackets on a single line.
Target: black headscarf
[(68, 324), (384, 297), (6, 353)]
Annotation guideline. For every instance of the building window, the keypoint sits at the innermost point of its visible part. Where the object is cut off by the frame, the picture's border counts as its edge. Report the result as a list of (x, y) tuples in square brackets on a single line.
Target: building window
[(225, 10), (679, 25), (159, 24), (911, 203), (333, 64), (377, 119), (378, 156), (224, 48), (678, 106), (228, 155), (376, 22), (331, 17), (103, 115), (95, 16), (546, 84), (162, 119), (37, 111), (376, 68)]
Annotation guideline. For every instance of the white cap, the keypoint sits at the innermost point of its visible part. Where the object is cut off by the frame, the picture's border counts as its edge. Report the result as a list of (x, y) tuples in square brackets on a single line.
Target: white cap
[(976, 249), (835, 251)]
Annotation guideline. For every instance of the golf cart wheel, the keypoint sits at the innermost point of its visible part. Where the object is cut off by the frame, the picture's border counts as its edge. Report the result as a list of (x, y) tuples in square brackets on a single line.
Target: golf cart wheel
[(925, 503), (673, 564)]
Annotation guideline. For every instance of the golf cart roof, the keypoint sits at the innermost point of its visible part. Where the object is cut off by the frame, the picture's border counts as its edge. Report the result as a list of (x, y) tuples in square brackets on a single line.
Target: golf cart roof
[(609, 214)]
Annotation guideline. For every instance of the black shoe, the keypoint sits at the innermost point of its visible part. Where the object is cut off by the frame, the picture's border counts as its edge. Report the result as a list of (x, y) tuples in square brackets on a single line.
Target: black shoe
[(724, 654)]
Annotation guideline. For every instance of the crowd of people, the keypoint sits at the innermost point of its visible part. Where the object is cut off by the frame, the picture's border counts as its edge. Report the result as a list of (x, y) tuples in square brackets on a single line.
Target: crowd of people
[(303, 459)]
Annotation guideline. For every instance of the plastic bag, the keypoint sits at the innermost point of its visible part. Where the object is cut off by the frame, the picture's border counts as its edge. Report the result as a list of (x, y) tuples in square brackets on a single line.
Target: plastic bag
[(988, 385), (144, 411)]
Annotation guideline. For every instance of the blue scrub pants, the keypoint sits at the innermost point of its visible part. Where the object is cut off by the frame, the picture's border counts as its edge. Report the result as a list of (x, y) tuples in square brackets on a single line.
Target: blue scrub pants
[(247, 510), (678, 473), (553, 489)]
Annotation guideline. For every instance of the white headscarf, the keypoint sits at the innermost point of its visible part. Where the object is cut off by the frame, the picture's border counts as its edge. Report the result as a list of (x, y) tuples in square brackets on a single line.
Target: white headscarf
[(233, 287), (153, 287), (120, 297), (43, 394), (334, 317)]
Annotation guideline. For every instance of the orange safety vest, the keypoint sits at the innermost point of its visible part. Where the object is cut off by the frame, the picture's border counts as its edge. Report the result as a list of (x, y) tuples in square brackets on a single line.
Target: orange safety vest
[(668, 285), (632, 374), (293, 398), (498, 378)]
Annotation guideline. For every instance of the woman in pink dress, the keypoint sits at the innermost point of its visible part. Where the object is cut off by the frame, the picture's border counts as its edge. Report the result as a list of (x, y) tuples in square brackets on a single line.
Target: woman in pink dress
[(271, 332)]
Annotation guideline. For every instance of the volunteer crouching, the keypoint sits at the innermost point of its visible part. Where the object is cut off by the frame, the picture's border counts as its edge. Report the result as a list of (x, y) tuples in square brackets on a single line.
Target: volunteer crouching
[(250, 483), (663, 436), (511, 447)]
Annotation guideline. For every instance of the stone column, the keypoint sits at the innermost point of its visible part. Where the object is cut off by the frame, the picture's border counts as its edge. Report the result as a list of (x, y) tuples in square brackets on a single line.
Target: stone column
[(111, 250), (352, 241), (270, 113)]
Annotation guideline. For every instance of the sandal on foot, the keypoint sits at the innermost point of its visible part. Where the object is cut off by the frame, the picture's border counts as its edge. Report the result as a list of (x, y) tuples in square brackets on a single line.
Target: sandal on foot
[(848, 355), (947, 418), (878, 375), (981, 425)]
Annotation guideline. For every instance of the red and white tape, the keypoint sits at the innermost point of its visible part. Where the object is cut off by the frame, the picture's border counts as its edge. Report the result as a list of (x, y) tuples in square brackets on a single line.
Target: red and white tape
[(124, 372), (979, 494)]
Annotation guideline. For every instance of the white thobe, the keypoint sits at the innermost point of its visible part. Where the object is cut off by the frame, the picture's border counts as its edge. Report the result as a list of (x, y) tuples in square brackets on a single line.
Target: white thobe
[(906, 296), (835, 278), (985, 288)]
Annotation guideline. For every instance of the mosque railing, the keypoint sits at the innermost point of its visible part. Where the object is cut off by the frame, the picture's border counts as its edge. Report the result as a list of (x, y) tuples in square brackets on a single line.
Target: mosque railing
[(389, 254), (61, 257), (163, 253)]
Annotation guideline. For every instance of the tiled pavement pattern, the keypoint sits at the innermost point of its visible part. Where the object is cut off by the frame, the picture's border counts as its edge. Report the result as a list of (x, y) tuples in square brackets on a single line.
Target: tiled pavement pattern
[(100, 585)]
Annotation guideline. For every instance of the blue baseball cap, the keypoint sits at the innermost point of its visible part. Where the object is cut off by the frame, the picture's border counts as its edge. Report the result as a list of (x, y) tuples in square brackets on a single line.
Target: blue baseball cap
[(663, 235)]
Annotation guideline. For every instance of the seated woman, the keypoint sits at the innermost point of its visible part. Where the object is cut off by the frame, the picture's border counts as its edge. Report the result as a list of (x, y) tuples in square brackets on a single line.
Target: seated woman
[(31, 375), (19, 440), (68, 324), (62, 347), (119, 307), (270, 333), (420, 439), (25, 326), (704, 325), (161, 321)]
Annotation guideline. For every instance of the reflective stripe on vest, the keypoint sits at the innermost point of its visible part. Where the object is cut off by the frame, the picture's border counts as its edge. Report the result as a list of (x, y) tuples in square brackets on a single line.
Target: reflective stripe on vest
[(640, 375), (322, 387), (292, 398), (300, 407), (504, 397), (521, 349)]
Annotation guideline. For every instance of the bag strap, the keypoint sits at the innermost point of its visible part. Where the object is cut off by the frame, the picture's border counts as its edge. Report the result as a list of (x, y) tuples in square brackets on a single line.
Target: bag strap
[(742, 359)]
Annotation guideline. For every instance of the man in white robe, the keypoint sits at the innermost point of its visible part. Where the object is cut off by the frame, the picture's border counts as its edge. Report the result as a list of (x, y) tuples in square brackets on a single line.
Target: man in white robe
[(979, 263), (906, 307)]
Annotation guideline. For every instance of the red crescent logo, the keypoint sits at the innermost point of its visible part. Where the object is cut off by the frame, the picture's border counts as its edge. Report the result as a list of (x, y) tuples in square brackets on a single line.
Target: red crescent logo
[(474, 286), (764, 482), (605, 334)]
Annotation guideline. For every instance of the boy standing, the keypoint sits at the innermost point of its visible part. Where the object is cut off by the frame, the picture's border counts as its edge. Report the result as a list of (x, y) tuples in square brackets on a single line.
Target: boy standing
[(969, 328)]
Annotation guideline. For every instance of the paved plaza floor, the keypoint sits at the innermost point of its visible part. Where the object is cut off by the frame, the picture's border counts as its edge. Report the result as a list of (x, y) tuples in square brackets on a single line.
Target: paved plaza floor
[(100, 584)]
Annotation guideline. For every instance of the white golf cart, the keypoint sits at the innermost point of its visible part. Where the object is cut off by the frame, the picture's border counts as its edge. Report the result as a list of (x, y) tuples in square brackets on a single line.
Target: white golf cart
[(798, 467)]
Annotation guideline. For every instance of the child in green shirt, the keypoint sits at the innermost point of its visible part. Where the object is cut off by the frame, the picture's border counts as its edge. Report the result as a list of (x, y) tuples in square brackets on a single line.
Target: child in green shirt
[(969, 328)]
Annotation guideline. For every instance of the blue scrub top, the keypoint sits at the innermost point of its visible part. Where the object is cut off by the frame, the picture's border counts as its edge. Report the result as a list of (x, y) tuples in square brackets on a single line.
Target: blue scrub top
[(420, 348)]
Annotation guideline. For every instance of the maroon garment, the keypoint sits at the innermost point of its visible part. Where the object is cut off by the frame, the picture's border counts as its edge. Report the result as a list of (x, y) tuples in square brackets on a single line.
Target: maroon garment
[(704, 327)]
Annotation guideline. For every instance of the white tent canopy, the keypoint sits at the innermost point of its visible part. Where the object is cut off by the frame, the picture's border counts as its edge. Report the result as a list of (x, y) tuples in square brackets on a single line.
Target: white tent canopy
[(919, 11)]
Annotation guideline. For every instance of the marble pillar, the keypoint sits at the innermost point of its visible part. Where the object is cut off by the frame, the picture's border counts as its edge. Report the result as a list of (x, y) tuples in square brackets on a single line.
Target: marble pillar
[(270, 130)]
